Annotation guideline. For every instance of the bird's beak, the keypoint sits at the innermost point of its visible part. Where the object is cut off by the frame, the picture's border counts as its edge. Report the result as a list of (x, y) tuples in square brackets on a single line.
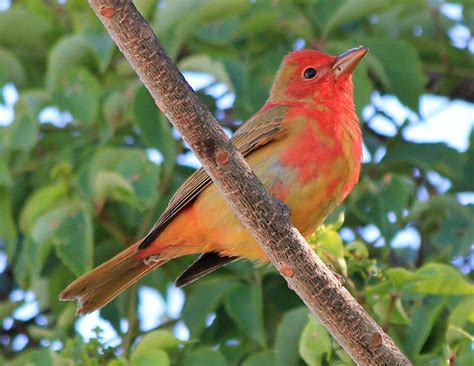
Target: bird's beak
[(348, 61)]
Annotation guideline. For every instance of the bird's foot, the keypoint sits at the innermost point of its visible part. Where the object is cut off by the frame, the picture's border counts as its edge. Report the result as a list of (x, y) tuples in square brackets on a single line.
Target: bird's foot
[(286, 209), (149, 261)]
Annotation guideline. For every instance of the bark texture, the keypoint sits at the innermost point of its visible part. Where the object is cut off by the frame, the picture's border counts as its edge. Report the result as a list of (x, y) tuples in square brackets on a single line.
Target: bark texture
[(266, 219)]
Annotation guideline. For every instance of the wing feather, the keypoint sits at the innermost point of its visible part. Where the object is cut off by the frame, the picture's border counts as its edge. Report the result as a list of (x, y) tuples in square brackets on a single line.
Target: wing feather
[(263, 128)]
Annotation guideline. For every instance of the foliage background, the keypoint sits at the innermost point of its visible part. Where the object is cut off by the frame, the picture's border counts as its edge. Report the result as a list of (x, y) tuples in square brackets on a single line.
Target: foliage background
[(88, 164)]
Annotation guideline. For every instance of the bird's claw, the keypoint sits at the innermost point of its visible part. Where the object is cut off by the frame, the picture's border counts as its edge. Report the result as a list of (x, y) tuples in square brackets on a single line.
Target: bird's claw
[(151, 259), (286, 209)]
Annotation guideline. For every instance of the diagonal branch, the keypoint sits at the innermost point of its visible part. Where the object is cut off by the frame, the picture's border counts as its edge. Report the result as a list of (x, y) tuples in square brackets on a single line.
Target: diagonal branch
[(266, 219)]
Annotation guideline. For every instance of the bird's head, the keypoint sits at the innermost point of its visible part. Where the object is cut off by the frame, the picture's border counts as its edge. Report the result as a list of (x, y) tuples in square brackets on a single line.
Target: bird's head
[(315, 77)]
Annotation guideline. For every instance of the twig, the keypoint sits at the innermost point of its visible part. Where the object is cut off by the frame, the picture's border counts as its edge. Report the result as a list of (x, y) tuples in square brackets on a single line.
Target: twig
[(443, 54), (132, 321), (265, 218)]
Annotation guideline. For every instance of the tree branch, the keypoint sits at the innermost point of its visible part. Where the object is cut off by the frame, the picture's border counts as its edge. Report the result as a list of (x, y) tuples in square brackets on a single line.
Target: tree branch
[(266, 219)]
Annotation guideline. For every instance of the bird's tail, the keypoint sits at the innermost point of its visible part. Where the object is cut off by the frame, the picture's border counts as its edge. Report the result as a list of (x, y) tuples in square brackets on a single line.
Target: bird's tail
[(98, 287)]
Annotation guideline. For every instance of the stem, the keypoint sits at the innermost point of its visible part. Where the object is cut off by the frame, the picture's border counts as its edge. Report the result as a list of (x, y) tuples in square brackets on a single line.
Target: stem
[(391, 305), (443, 54), (258, 211), (114, 230), (132, 321), (167, 324), (420, 259)]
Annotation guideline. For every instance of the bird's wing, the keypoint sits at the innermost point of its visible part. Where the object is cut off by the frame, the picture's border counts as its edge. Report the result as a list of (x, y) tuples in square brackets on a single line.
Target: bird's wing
[(259, 130)]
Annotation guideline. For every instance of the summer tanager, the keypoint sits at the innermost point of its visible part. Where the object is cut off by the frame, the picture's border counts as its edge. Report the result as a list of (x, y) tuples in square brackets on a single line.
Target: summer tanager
[(304, 145)]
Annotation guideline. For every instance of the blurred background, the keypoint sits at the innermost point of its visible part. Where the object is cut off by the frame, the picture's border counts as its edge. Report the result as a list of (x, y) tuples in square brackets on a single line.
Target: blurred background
[(87, 164)]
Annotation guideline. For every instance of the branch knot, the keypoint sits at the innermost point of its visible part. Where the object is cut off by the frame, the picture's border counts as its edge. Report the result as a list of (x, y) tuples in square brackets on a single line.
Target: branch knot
[(106, 11), (222, 157)]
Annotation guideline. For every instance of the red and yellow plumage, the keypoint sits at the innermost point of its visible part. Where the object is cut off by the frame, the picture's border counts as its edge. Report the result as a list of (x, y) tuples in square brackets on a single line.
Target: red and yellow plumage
[(304, 145)]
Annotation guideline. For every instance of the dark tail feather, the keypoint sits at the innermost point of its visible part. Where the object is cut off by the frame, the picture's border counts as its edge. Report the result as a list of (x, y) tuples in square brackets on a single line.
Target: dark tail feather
[(98, 287), (206, 263)]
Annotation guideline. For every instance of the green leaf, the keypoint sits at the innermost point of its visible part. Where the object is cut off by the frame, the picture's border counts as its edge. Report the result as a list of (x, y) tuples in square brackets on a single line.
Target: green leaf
[(432, 279), (7, 308), (176, 14), (197, 306), (40, 202), (204, 63), (353, 10), (38, 333), (176, 25), (268, 358), (150, 358), (4, 139), (376, 198), (28, 265), (53, 281), (69, 229), (315, 342), (363, 88), (5, 176), (386, 306), (422, 321), (238, 75), (465, 184), (11, 69), (158, 339), (429, 156), (41, 8), (155, 130), (24, 30), (344, 358), (205, 356), (376, 66), (403, 69), (79, 93), (122, 174), (219, 32), (43, 357), (244, 306), (118, 362), (23, 132), (102, 47), (67, 317), (357, 249), (73, 238), (71, 51), (429, 359), (8, 230), (465, 358), (288, 334), (114, 108), (328, 245), (145, 7), (448, 224), (463, 313), (112, 185)]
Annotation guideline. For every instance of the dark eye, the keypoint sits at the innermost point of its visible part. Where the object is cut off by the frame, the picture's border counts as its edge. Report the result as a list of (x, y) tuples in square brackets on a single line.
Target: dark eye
[(309, 73)]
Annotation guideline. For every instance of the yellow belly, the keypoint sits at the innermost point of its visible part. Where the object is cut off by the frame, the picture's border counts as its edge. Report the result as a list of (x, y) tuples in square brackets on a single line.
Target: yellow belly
[(216, 228)]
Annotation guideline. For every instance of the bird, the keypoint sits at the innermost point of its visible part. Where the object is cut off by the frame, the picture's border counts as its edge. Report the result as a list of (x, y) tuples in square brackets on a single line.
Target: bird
[(305, 146)]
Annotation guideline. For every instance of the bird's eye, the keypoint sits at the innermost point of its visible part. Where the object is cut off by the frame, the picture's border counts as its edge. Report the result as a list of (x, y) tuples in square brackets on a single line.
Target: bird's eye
[(309, 73)]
